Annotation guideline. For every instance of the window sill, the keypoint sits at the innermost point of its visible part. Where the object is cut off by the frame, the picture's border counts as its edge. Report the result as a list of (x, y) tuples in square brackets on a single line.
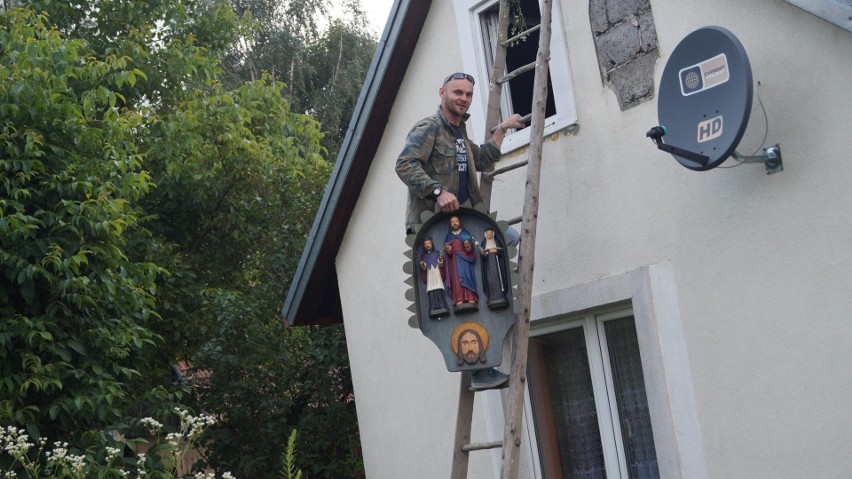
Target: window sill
[(521, 139)]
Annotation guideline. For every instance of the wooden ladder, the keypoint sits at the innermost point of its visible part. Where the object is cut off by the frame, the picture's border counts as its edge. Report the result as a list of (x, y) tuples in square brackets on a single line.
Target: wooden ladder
[(512, 435)]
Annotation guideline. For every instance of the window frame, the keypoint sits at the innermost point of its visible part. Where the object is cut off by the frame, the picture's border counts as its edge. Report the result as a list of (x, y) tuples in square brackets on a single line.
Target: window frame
[(651, 290), (600, 369), (473, 59)]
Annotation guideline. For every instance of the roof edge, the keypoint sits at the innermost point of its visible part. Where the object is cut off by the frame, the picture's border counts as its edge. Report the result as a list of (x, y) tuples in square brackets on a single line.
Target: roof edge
[(310, 297)]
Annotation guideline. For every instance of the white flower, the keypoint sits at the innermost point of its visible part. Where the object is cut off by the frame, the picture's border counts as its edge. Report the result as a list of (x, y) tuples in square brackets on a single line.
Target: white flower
[(173, 438), (112, 453), (152, 424), (15, 441)]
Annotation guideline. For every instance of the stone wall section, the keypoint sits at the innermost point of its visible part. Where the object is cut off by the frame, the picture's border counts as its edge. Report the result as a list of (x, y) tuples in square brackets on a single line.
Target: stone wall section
[(626, 43)]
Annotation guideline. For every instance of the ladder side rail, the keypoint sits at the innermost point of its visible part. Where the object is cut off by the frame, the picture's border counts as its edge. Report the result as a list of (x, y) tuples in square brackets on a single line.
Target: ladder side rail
[(495, 89), (513, 433), (464, 418)]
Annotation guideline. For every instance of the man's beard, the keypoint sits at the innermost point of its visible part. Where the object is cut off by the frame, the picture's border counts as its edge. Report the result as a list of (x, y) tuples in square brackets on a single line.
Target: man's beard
[(453, 108), (470, 357)]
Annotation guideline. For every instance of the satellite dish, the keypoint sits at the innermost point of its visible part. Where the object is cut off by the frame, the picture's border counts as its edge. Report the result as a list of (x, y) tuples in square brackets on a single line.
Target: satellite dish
[(705, 99)]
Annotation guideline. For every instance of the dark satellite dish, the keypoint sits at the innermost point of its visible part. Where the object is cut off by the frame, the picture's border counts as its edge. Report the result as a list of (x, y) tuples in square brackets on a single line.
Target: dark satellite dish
[(705, 99)]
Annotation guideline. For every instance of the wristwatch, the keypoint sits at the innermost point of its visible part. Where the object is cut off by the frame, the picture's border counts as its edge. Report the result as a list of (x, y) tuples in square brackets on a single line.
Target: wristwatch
[(437, 192)]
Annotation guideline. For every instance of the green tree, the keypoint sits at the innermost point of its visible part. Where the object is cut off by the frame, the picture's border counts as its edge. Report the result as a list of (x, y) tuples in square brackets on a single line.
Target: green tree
[(323, 69), (239, 179), (77, 312), (337, 65), (149, 214), (175, 42)]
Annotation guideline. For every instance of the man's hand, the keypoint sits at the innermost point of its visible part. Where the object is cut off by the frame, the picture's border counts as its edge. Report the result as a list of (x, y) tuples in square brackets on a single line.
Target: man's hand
[(513, 121), (447, 202)]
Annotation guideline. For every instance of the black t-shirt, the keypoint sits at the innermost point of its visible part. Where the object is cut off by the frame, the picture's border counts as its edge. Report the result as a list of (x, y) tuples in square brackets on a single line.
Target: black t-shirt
[(461, 159)]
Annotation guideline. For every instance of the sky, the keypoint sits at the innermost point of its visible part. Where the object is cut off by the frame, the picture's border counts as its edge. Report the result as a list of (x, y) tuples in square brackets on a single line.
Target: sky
[(377, 12)]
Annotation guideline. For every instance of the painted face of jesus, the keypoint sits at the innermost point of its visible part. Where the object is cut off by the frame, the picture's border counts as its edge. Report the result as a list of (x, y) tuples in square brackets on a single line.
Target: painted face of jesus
[(455, 223), (469, 346)]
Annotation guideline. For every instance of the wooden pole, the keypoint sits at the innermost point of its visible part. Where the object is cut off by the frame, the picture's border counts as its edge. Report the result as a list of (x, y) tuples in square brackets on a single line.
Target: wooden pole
[(513, 433), (498, 70), (464, 418)]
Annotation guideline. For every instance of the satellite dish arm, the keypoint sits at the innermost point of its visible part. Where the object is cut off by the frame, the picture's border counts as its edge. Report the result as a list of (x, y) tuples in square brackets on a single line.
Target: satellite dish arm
[(656, 134)]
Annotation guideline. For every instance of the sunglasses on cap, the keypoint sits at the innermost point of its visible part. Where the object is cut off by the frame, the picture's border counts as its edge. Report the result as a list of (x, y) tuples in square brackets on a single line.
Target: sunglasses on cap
[(460, 76)]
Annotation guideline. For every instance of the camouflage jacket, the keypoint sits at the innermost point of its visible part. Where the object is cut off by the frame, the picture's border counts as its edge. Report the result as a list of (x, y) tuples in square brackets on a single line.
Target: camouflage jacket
[(428, 160)]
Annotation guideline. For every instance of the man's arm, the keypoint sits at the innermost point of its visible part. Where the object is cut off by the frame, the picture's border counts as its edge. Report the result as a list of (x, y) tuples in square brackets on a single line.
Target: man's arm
[(489, 153), (409, 165)]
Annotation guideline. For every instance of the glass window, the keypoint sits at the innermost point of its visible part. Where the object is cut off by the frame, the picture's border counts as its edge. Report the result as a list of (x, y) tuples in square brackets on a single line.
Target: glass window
[(477, 24), (588, 400), (517, 93)]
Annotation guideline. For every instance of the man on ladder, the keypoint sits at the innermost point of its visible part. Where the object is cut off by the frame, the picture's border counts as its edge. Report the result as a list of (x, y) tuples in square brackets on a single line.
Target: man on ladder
[(435, 177), (426, 190)]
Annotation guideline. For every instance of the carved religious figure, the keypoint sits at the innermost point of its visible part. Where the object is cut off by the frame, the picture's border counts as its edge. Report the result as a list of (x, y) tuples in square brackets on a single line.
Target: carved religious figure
[(459, 275), (431, 267), (495, 275)]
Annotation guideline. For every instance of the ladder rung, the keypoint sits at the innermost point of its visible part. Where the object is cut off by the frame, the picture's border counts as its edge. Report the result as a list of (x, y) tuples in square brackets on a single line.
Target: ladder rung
[(516, 72), (509, 42), (524, 119), (489, 175), (476, 446)]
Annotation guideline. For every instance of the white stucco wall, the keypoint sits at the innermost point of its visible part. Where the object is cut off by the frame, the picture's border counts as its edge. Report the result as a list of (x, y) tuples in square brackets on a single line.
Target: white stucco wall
[(406, 398), (759, 264)]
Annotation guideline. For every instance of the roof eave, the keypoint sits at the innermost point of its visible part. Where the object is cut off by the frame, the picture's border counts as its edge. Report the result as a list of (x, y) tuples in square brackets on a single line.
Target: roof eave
[(313, 297)]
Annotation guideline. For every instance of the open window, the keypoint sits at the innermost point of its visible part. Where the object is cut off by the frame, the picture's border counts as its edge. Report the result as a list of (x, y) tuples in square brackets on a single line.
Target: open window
[(477, 24)]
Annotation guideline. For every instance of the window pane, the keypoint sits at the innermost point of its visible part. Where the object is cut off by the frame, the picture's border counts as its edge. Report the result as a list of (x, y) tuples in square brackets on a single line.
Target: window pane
[(632, 401), (521, 53), (561, 386), (524, 53)]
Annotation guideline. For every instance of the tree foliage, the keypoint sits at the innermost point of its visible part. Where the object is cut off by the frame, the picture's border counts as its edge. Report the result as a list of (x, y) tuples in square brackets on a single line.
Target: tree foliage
[(323, 69), (77, 311), (153, 207)]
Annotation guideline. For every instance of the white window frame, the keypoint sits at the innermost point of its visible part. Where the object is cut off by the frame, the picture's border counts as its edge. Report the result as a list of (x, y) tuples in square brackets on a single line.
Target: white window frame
[(652, 293), (473, 60), (609, 423)]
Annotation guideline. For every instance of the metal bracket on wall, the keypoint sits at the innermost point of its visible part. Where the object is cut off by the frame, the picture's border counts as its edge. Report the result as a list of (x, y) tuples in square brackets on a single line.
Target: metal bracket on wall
[(771, 157)]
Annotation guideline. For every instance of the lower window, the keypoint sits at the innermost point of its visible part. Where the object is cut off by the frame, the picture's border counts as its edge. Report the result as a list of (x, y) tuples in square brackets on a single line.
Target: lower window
[(588, 399)]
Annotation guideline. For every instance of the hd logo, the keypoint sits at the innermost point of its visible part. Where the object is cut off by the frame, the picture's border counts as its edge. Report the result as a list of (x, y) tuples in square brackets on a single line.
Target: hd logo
[(705, 75), (710, 129)]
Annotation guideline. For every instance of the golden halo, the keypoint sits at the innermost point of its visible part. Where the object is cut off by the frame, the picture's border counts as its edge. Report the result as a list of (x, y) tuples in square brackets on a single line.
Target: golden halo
[(454, 339)]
